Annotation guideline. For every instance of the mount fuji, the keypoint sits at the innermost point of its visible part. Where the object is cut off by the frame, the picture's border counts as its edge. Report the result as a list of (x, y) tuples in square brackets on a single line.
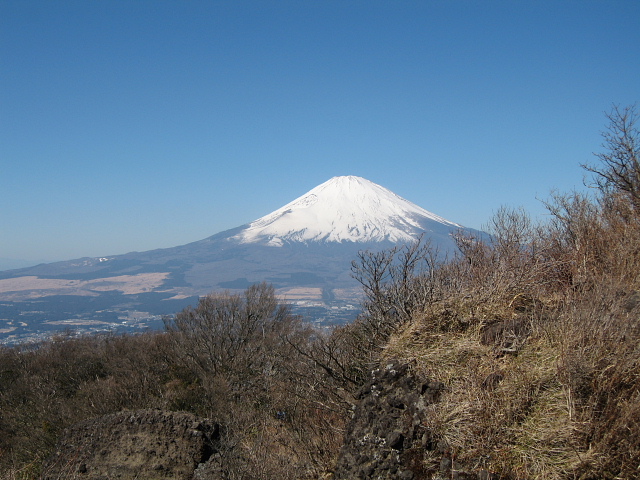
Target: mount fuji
[(304, 249), (345, 209)]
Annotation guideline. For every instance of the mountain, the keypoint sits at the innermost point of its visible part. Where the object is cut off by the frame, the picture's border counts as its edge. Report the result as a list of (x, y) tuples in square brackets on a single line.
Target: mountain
[(304, 249), (344, 209), (13, 264)]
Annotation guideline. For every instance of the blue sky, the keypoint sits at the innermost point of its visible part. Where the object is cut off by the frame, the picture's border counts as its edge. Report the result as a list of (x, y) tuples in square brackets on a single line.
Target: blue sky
[(128, 125)]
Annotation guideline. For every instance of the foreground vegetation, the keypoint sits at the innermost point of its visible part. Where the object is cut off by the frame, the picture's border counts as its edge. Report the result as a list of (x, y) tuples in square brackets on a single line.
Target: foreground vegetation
[(535, 335)]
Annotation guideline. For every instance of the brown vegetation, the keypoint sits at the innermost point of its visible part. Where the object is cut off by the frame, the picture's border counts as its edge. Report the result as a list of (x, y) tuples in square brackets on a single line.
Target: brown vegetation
[(533, 333), (242, 361)]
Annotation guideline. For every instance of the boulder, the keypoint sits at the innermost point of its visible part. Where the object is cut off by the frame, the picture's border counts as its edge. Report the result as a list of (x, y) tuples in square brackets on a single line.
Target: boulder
[(144, 444), (385, 438)]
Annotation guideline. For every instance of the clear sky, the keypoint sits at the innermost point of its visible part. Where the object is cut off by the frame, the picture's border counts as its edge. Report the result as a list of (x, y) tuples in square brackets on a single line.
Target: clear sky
[(129, 125)]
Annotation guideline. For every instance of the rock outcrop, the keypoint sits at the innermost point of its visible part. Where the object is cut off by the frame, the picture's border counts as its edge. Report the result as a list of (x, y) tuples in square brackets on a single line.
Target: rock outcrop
[(386, 439), (145, 444)]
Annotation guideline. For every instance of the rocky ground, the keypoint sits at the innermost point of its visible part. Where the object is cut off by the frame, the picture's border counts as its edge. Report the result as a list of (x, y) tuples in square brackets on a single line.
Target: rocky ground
[(386, 439), (145, 444)]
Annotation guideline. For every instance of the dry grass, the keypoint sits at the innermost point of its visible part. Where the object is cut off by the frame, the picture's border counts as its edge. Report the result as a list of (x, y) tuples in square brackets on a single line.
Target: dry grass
[(564, 404), (521, 423)]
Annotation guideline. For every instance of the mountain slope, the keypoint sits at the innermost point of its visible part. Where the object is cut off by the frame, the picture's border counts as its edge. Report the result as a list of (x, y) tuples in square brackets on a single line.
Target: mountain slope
[(304, 249), (344, 209)]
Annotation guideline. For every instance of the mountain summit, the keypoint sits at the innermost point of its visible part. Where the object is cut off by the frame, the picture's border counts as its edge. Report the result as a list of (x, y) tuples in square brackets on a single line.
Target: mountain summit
[(303, 249), (348, 208)]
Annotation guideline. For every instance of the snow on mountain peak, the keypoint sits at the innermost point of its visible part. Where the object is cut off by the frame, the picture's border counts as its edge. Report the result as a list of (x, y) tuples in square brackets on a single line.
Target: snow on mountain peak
[(346, 208)]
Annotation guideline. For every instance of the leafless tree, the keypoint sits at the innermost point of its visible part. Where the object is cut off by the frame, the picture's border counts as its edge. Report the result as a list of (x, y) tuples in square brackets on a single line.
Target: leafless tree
[(395, 284), (233, 334), (618, 170)]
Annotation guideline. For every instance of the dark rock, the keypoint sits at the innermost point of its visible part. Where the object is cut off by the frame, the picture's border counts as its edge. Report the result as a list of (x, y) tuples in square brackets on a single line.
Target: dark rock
[(445, 465), (632, 301), (492, 381), (507, 336), (396, 440), (485, 475), (385, 438), (145, 444)]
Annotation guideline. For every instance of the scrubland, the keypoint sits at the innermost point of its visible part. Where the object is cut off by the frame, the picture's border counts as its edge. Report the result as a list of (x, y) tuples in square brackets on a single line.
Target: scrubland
[(534, 330)]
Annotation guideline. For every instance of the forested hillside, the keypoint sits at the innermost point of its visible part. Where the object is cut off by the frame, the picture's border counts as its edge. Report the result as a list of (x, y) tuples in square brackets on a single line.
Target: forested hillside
[(530, 341)]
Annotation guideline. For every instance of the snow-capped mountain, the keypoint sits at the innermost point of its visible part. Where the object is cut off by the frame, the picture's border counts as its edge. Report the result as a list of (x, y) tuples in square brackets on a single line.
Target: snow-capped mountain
[(347, 208), (304, 249)]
